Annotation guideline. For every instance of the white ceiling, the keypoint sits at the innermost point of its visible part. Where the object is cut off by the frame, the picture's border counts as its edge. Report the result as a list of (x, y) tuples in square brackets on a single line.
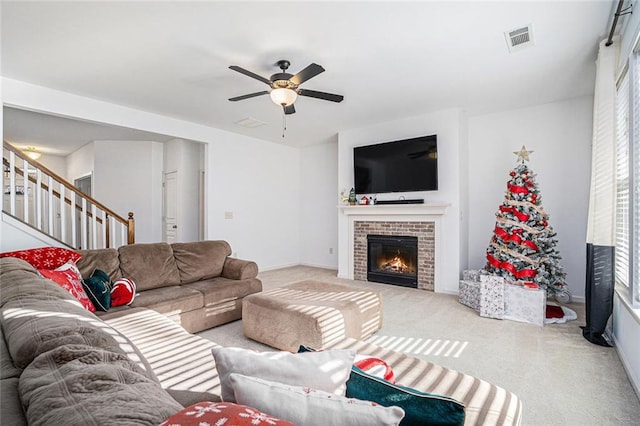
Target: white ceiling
[(388, 59)]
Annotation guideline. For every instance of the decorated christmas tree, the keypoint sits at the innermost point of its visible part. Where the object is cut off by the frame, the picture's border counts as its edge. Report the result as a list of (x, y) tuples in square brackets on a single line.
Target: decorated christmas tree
[(523, 246)]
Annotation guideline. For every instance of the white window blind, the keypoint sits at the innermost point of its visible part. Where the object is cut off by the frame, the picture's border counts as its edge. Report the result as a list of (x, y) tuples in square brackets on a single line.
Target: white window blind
[(622, 182), (634, 176)]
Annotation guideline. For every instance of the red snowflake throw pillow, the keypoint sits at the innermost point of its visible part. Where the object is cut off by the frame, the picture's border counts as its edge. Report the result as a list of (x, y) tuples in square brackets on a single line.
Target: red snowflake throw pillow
[(45, 257), (68, 277), (222, 413)]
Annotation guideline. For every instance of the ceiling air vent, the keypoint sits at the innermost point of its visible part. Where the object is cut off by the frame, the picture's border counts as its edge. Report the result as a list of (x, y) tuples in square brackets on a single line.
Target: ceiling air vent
[(250, 123), (520, 38)]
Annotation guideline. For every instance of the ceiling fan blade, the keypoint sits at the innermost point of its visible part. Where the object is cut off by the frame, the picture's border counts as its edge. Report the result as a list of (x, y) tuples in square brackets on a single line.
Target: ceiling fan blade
[(250, 74), (289, 109), (307, 73), (320, 95), (250, 95)]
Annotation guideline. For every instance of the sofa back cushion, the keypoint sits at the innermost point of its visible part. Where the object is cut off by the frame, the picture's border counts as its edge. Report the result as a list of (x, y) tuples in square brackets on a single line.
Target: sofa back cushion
[(103, 259), (149, 265), (200, 260)]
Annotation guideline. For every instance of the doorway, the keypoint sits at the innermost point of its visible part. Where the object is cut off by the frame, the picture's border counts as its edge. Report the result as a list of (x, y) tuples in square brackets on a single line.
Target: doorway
[(170, 187), (84, 185)]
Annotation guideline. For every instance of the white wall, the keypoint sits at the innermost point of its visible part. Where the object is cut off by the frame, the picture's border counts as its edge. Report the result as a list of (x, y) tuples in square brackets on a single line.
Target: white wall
[(127, 177), (18, 236), (447, 125), (258, 183), (55, 163), (318, 207), (80, 162), (626, 335), (257, 180), (560, 136)]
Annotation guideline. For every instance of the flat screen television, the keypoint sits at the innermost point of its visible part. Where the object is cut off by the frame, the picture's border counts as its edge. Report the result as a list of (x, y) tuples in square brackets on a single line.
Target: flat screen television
[(406, 165)]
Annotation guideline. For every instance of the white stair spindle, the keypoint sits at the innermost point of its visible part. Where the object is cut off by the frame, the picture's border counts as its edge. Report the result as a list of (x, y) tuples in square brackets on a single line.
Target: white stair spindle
[(104, 229), (50, 207), (84, 224), (112, 231), (74, 242), (94, 226), (63, 214), (12, 183), (38, 198), (25, 191)]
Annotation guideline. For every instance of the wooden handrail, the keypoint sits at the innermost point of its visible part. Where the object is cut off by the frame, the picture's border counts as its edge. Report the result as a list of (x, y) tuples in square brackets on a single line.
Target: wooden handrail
[(129, 222)]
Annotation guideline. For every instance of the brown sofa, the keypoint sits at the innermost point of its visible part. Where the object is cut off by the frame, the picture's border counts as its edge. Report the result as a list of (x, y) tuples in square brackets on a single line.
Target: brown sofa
[(195, 284), (61, 364)]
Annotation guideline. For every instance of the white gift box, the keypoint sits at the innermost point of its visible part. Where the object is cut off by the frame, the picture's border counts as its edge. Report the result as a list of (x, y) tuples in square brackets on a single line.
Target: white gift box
[(469, 294), (471, 275), (525, 305), (492, 296)]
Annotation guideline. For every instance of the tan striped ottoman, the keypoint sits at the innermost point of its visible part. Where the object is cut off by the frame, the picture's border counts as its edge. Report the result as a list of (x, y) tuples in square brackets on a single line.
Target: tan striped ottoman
[(310, 313)]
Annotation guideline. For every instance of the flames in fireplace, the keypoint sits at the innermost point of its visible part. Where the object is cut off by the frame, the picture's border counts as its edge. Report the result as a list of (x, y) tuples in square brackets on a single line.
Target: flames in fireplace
[(396, 264)]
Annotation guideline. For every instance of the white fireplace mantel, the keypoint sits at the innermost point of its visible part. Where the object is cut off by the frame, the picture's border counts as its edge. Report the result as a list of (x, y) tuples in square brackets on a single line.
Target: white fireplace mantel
[(395, 209), (399, 213)]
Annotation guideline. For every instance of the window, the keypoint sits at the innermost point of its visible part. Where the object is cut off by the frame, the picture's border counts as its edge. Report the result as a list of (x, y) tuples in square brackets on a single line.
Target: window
[(634, 179), (627, 236), (622, 182)]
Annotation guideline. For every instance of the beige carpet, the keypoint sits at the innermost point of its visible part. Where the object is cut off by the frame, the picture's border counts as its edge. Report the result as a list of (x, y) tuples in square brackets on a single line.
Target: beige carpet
[(561, 378)]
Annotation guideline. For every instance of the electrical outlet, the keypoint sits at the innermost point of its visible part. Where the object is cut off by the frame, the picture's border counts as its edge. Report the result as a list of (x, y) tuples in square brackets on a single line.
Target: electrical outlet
[(228, 215), (234, 254), (330, 250)]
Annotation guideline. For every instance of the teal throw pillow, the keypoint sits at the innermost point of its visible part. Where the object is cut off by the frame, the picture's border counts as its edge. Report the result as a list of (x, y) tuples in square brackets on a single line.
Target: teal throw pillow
[(98, 288), (420, 408)]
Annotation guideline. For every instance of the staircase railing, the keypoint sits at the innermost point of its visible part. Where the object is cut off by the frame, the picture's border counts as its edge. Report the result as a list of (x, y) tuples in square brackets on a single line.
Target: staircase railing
[(38, 197)]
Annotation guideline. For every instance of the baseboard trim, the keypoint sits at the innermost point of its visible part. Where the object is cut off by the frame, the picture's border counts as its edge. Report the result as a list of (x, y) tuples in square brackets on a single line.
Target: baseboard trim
[(635, 381), (315, 265), (273, 268)]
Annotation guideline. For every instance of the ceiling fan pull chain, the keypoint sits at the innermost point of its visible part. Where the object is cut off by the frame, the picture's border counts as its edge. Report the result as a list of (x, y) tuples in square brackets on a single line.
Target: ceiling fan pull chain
[(284, 120)]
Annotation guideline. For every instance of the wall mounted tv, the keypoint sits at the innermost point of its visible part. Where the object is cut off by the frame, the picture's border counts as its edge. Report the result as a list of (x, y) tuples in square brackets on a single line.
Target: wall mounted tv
[(399, 166)]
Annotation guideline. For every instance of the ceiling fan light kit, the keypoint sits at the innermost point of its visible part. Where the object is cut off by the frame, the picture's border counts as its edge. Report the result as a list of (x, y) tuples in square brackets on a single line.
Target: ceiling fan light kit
[(283, 96), (285, 87)]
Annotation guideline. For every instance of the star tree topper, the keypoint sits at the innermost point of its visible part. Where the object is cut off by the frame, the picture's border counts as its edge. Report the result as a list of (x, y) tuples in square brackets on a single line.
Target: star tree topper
[(523, 154)]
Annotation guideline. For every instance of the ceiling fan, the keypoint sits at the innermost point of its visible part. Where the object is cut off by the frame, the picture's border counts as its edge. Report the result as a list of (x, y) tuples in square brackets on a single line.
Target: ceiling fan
[(285, 87)]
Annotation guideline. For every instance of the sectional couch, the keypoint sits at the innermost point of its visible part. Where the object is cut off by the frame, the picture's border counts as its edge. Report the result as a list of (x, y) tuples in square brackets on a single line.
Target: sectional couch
[(62, 364), (197, 284)]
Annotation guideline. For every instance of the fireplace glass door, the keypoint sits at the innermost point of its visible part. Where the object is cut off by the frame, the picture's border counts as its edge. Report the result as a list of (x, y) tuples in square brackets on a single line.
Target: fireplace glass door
[(392, 260)]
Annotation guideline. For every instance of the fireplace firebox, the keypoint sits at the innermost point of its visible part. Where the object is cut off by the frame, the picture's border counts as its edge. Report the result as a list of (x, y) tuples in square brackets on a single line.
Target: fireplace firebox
[(392, 259)]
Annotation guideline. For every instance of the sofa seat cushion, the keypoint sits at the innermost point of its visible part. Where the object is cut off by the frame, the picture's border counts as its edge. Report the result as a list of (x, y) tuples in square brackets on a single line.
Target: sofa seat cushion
[(182, 361), (82, 385), (149, 265), (220, 290), (103, 259), (200, 260), (169, 300)]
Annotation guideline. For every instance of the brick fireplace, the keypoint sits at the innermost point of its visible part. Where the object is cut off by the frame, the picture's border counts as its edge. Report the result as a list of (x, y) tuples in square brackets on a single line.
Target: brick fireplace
[(421, 221), (424, 231)]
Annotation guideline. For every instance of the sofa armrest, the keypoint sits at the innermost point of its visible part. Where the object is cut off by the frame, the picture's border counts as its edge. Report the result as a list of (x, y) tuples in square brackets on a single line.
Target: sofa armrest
[(238, 269)]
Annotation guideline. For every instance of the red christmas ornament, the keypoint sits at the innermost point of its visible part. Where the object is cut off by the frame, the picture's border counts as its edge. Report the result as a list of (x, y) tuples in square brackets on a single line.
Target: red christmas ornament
[(512, 173)]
